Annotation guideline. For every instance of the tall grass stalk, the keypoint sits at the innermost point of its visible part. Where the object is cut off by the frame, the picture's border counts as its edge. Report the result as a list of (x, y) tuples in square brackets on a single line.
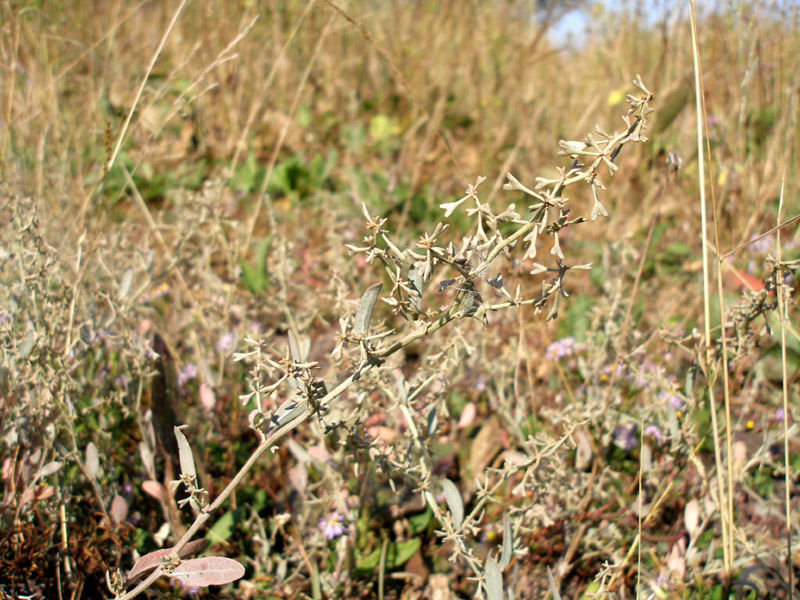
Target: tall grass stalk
[(724, 488), (781, 292)]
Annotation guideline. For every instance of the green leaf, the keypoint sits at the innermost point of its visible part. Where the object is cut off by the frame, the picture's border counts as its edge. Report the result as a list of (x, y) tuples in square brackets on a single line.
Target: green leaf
[(397, 554), (419, 523), (382, 129), (223, 528), (254, 276)]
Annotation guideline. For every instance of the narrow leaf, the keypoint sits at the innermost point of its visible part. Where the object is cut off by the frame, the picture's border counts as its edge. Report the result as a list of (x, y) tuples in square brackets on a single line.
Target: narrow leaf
[(365, 307), (469, 301), (125, 284), (147, 459), (185, 454), (433, 421), (494, 580), (508, 543), (294, 353), (415, 281), (50, 468), (27, 344), (214, 570), (294, 348), (92, 460), (454, 501), (287, 411), (150, 561), (553, 588)]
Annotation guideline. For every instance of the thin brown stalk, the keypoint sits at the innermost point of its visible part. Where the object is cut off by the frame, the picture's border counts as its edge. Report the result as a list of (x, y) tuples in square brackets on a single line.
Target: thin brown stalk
[(723, 488)]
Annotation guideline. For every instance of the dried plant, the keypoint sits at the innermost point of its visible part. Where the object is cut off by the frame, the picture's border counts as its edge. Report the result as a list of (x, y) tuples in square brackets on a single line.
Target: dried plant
[(435, 263)]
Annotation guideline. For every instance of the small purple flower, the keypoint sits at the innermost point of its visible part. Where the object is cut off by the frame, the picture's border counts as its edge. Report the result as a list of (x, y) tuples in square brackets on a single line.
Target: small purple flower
[(620, 370), (189, 371), (625, 437), (561, 349), (652, 430), (648, 372), (185, 588), (121, 381), (662, 581), (5, 316), (224, 343), (761, 246), (780, 415), (101, 376), (674, 399), (333, 526)]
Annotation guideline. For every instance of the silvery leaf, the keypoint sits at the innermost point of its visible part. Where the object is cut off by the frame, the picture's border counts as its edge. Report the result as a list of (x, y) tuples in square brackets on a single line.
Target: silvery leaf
[(454, 502), (598, 210), (92, 460), (508, 543), (125, 284), (415, 281), (185, 454), (147, 459), (149, 263), (365, 307), (287, 411), (553, 588), (294, 349), (494, 580)]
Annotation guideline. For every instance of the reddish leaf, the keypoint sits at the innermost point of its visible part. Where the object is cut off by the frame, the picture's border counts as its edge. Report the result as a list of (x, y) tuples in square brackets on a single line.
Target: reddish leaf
[(468, 415), (155, 489), (118, 509), (298, 476), (737, 279), (320, 453), (153, 559), (207, 397), (387, 434), (214, 570), (40, 492)]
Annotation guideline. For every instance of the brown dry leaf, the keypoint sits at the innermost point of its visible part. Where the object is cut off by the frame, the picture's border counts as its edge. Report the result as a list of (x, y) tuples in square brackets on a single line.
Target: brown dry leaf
[(483, 450), (385, 434)]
